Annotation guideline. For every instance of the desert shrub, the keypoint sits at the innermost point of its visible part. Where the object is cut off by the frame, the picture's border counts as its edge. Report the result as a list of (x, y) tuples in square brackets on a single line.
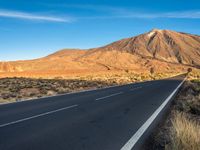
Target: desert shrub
[(189, 70), (189, 100), (43, 91), (61, 90), (126, 70), (195, 105), (152, 70)]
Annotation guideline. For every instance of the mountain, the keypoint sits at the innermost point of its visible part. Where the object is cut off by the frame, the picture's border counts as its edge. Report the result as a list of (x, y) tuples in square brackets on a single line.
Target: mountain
[(164, 45), (163, 50)]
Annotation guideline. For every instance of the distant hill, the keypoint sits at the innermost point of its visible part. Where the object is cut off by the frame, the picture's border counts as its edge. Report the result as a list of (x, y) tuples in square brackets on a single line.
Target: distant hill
[(163, 50)]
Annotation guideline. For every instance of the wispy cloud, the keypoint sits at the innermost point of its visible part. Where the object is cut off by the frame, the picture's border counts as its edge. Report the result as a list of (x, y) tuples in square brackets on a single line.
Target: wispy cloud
[(146, 15), (113, 12), (183, 14), (104, 12), (136, 15), (149, 15), (30, 16)]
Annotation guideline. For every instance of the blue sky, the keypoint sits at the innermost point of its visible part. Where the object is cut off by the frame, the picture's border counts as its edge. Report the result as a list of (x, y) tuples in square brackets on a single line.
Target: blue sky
[(34, 28)]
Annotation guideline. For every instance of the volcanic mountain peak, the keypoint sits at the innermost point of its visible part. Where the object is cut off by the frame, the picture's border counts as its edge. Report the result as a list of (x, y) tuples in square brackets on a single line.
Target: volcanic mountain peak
[(164, 45), (154, 31)]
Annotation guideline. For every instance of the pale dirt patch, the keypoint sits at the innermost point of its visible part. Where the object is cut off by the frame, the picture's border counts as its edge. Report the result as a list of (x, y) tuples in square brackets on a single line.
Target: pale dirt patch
[(29, 92)]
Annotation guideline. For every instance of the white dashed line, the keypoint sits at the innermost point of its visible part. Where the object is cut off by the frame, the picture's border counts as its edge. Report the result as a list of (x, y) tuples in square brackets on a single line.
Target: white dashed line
[(149, 84), (108, 96), (36, 116), (136, 88)]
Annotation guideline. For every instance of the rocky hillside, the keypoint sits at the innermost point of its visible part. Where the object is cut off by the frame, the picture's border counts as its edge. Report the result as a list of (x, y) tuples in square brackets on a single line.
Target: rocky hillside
[(165, 45)]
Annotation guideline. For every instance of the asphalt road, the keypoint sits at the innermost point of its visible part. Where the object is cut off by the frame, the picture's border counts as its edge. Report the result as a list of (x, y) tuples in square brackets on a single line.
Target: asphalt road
[(104, 119)]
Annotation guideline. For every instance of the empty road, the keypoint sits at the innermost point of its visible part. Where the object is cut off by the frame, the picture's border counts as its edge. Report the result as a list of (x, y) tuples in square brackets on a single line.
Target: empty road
[(105, 119)]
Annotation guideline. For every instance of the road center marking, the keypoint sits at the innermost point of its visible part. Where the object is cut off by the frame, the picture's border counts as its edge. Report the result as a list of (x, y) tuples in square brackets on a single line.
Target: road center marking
[(36, 116), (133, 140), (108, 96), (136, 88), (149, 84)]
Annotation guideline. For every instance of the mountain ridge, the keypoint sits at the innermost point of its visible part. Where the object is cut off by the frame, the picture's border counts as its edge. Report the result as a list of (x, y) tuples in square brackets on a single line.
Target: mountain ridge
[(160, 44), (161, 49)]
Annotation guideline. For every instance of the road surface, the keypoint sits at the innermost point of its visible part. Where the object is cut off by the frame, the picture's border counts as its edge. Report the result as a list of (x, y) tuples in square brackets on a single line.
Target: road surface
[(104, 119)]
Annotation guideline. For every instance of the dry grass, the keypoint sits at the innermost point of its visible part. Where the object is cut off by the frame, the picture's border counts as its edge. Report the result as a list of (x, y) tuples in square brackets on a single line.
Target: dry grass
[(185, 133)]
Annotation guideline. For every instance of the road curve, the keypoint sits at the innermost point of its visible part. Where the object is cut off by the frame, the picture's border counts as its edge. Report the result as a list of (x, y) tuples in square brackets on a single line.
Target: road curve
[(104, 119)]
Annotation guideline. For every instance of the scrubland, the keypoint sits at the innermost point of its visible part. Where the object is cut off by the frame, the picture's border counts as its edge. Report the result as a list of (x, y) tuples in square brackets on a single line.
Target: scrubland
[(16, 89)]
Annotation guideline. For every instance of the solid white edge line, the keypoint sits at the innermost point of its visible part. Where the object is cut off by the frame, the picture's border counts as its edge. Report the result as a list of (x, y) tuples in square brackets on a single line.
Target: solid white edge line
[(36, 116), (133, 140), (108, 96)]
